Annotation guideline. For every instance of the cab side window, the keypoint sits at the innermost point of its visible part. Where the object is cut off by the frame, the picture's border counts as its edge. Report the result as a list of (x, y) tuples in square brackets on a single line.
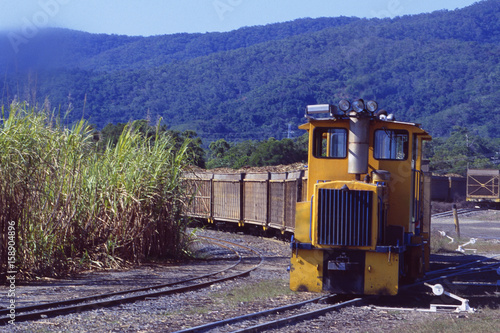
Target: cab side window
[(330, 143), (391, 145)]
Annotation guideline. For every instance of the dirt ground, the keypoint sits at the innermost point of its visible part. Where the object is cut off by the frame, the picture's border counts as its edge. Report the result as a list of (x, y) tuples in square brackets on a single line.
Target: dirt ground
[(481, 224), (233, 298)]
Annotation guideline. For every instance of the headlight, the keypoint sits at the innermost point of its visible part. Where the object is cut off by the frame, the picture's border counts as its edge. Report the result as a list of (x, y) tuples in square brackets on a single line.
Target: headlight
[(358, 105), (371, 106), (344, 105)]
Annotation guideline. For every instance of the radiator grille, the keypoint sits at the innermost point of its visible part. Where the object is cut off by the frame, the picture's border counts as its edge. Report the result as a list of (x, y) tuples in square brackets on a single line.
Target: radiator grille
[(344, 217)]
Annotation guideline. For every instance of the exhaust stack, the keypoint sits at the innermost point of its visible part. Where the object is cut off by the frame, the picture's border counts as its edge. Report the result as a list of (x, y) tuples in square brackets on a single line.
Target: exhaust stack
[(358, 146)]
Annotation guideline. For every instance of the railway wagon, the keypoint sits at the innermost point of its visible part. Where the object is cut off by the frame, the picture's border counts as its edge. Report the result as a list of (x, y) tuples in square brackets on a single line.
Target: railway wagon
[(448, 189), (265, 200), (364, 225), (483, 186)]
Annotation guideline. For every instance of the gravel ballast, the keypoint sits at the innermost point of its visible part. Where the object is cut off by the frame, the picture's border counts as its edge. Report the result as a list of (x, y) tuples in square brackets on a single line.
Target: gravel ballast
[(220, 301)]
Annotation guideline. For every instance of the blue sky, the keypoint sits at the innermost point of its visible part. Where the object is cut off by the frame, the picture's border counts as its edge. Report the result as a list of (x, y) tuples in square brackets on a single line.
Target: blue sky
[(155, 17)]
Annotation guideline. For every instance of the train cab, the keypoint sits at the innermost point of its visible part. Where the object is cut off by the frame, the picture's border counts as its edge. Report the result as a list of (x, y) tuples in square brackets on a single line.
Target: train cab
[(364, 228)]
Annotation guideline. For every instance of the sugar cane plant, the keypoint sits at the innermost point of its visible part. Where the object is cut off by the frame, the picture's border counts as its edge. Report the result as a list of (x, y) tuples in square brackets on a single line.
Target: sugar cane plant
[(75, 205)]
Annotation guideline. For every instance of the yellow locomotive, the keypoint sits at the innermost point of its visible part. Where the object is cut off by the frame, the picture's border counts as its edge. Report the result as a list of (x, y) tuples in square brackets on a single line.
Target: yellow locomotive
[(364, 228)]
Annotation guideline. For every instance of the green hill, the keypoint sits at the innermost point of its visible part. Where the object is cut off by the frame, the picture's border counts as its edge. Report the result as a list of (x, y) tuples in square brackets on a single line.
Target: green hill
[(441, 69)]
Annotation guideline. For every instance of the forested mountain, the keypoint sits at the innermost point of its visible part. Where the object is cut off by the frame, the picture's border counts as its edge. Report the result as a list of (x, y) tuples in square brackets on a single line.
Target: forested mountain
[(62, 48), (441, 69)]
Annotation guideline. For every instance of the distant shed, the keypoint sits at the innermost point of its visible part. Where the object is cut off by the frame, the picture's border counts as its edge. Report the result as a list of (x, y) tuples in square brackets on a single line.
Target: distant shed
[(483, 185)]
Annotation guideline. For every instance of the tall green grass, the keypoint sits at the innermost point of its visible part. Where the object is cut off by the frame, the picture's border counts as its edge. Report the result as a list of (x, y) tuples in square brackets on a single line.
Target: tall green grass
[(76, 205)]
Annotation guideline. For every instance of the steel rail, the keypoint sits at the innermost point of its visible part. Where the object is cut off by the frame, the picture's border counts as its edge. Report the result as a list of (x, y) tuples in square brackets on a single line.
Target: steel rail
[(476, 284), (450, 212), (74, 301), (250, 316), (71, 306), (477, 261), (299, 317), (464, 271)]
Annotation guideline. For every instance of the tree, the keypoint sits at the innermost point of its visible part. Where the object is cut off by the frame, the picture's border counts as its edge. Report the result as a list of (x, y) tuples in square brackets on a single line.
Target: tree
[(460, 151), (111, 132), (196, 153), (219, 148), (252, 153)]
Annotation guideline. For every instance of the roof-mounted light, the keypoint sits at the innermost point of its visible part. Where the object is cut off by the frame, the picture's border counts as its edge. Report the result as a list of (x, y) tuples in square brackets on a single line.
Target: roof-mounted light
[(344, 105), (358, 105), (381, 114), (345, 109), (317, 109), (371, 106)]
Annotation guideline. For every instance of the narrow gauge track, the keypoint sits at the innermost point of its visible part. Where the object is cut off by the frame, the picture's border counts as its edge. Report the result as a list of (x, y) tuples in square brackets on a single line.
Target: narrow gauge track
[(277, 317), (476, 266), (449, 213), (52, 309)]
